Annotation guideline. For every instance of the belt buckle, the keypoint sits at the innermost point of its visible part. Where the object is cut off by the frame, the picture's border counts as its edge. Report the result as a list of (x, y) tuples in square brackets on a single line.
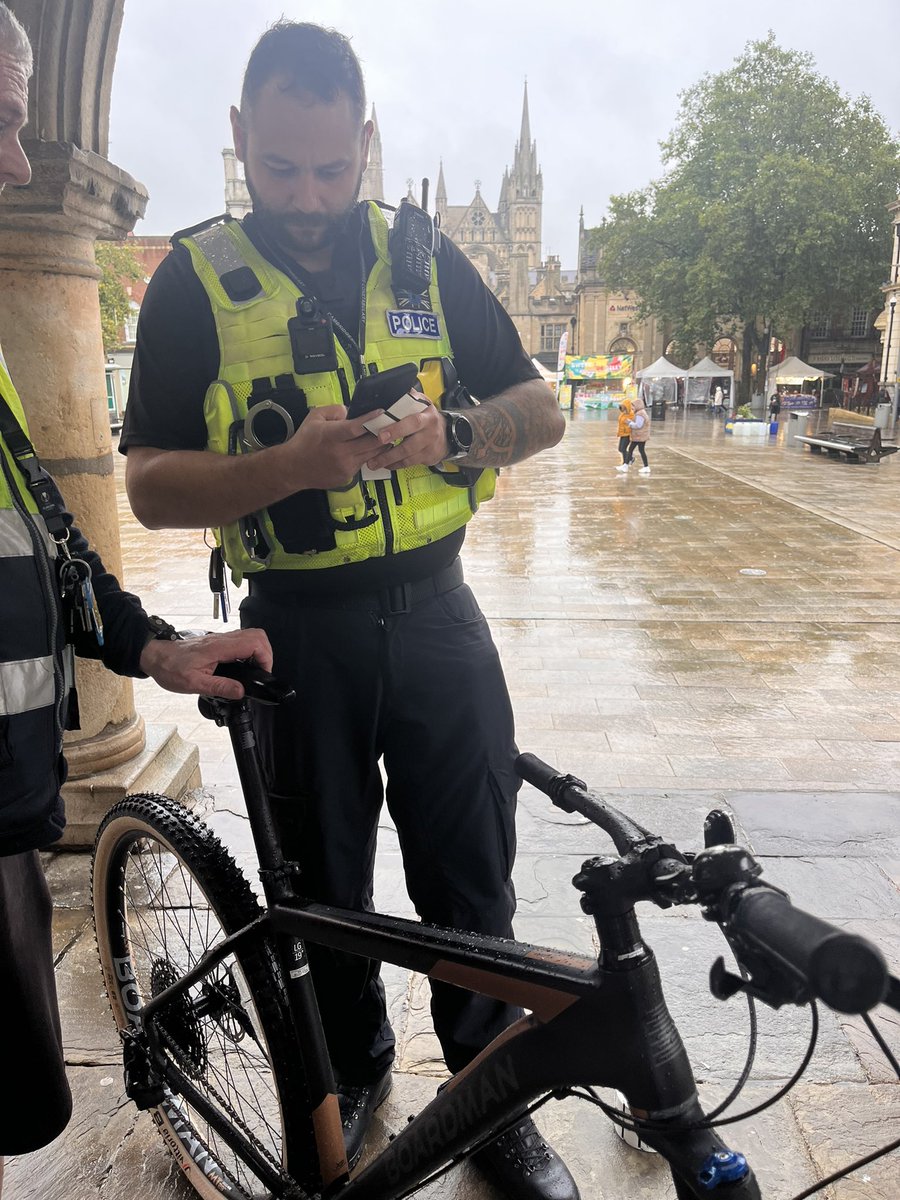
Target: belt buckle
[(397, 600)]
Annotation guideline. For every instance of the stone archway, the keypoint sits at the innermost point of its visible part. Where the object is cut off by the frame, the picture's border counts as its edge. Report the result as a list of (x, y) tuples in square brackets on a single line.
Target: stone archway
[(50, 332)]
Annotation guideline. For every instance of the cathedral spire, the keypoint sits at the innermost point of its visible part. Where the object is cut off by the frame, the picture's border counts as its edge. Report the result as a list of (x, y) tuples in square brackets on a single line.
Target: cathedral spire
[(525, 133), (525, 171), (440, 195), (372, 187)]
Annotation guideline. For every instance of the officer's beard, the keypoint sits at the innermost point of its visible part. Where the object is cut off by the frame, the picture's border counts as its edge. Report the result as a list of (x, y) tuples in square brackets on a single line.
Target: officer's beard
[(295, 233)]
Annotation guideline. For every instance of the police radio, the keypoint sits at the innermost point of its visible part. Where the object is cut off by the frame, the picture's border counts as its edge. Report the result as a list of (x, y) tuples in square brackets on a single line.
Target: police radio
[(412, 247)]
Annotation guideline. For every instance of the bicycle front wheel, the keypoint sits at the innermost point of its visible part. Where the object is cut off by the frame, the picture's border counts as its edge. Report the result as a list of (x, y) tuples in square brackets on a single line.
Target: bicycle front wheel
[(166, 891)]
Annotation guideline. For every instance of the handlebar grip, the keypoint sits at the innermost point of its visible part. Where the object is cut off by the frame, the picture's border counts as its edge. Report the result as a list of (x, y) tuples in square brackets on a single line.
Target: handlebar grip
[(845, 971), (536, 772)]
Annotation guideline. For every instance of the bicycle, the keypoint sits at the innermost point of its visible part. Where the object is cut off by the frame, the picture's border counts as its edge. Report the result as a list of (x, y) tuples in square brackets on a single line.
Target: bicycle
[(222, 1040)]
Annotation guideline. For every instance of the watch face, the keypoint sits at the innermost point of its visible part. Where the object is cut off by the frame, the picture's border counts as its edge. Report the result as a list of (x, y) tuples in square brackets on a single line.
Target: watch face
[(463, 433)]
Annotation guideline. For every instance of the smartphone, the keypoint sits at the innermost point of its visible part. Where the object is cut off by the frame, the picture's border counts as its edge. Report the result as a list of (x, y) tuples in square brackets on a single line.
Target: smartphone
[(382, 390)]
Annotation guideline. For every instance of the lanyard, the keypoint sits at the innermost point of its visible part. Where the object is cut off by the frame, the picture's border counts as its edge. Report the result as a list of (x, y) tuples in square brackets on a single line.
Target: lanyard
[(41, 486)]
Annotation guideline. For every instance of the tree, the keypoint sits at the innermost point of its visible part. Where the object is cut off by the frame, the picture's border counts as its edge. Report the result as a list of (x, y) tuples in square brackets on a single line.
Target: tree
[(120, 266), (774, 206)]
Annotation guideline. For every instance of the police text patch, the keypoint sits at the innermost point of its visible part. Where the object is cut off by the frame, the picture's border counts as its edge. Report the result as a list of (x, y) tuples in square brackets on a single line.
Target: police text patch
[(405, 322)]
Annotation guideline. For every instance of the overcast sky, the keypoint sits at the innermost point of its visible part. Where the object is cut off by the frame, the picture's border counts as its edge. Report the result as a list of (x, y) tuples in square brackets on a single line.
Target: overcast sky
[(447, 81)]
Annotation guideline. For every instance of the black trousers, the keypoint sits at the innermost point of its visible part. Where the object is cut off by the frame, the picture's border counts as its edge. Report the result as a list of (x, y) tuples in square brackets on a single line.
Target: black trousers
[(38, 1103), (624, 443), (639, 446), (424, 691)]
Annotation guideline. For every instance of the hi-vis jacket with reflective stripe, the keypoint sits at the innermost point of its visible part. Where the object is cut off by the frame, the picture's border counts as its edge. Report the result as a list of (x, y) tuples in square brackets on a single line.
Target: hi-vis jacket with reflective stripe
[(34, 681), (31, 670), (252, 302)]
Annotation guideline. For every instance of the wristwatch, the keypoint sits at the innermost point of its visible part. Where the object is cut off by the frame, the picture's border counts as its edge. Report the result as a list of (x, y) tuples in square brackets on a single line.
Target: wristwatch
[(460, 434)]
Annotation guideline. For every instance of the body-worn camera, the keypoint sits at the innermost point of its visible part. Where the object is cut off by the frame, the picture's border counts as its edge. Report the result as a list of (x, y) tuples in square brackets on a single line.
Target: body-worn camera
[(312, 339)]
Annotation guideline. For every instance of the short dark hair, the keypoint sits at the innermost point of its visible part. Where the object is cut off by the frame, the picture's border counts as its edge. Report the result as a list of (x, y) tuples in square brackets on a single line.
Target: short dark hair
[(307, 58)]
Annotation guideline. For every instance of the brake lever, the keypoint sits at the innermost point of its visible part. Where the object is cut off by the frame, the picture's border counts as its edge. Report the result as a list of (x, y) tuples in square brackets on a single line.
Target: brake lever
[(765, 982)]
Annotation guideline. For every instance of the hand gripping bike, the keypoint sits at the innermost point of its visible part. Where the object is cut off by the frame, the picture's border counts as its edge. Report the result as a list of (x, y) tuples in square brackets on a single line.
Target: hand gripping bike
[(223, 1043)]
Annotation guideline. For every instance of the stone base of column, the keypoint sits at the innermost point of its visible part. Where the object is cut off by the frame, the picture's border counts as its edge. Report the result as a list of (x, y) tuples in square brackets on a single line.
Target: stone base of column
[(168, 766)]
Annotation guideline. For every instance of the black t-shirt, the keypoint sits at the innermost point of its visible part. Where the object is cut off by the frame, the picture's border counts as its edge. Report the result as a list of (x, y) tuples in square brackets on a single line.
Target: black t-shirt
[(177, 357)]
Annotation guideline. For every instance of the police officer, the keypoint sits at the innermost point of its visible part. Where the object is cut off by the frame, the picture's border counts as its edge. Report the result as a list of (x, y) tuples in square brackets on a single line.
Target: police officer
[(36, 537), (252, 339)]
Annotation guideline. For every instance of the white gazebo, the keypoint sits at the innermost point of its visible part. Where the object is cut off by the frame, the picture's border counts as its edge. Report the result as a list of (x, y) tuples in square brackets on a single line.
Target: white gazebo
[(794, 372), (697, 379), (659, 382)]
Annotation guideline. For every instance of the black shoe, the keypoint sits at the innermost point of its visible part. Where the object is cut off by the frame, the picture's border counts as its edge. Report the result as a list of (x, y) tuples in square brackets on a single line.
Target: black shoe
[(358, 1103), (522, 1165)]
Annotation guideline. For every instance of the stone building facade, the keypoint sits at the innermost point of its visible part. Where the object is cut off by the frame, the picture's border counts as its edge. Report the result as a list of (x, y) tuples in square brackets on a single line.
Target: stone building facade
[(888, 322), (607, 319)]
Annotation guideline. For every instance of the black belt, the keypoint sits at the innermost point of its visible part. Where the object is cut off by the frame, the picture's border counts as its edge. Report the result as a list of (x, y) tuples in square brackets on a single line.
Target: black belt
[(389, 601)]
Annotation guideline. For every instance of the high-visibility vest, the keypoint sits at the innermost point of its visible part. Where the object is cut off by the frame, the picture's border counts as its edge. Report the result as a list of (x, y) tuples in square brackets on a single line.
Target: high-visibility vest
[(252, 302), (32, 685)]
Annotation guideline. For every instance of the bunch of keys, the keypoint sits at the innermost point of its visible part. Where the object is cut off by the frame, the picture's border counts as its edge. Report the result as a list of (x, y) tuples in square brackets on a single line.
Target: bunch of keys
[(79, 601), (218, 585)]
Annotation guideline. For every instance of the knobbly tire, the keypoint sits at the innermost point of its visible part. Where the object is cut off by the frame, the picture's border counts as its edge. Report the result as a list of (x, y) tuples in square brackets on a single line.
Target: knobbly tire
[(165, 890)]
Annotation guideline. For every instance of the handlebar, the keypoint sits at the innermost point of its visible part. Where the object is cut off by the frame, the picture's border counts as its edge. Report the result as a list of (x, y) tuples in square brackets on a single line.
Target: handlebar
[(572, 795), (790, 954)]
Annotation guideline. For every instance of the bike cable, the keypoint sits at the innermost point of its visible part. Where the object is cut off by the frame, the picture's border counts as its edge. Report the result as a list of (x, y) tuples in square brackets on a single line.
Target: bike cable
[(854, 1166), (637, 1124), (751, 1051), (881, 1043)]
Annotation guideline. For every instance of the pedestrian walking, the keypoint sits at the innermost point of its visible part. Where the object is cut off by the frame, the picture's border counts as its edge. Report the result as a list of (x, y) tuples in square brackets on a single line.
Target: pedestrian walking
[(350, 534), (626, 412), (639, 432)]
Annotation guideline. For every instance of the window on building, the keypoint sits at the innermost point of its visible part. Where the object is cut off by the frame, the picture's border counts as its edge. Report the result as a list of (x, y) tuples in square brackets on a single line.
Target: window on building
[(859, 321), (131, 323), (623, 329), (724, 352), (819, 325), (550, 335)]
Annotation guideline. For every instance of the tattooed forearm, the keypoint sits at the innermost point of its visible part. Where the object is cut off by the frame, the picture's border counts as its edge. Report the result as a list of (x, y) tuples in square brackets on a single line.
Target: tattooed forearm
[(514, 425)]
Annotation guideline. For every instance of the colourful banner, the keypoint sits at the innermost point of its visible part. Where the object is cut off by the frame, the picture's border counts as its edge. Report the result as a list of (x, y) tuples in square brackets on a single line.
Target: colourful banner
[(599, 366)]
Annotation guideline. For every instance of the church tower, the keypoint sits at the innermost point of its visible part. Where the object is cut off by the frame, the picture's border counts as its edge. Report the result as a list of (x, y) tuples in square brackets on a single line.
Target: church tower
[(440, 196), (372, 187), (522, 193)]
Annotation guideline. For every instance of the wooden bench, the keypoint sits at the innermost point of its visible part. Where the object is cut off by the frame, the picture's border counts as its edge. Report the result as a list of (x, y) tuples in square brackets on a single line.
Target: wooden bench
[(851, 447)]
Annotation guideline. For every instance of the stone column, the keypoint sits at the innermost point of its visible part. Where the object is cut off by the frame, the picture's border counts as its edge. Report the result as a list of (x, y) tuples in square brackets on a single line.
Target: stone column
[(50, 332)]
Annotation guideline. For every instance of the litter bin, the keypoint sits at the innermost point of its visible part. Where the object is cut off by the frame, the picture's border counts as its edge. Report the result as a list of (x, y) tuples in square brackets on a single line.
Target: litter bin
[(658, 410), (796, 425), (883, 415)]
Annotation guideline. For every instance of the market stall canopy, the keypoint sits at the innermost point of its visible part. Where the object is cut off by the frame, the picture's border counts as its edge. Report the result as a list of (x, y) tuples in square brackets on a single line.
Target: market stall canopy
[(697, 380), (794, 370), (661, 369), (708, 369)]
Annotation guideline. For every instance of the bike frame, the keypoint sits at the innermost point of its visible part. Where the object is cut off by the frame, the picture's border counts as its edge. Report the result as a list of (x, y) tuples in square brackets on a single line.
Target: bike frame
[(592, 1022)]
